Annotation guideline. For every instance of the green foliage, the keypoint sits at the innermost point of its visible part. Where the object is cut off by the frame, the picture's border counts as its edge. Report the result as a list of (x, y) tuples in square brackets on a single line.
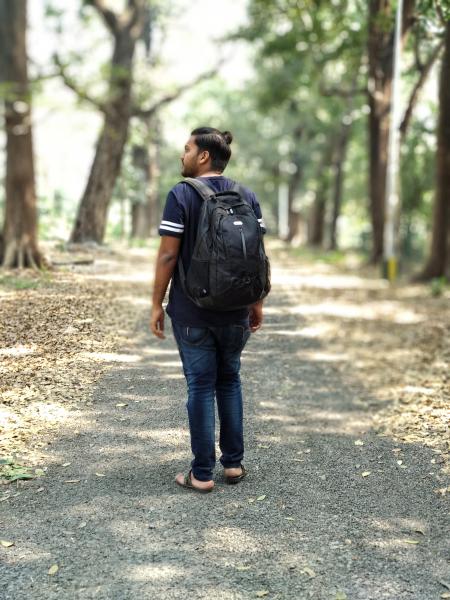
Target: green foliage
[(437, 286), (11, 471)]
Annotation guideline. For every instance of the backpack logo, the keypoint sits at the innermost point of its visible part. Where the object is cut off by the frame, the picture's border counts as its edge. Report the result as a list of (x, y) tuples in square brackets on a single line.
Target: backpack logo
[(229, 267)]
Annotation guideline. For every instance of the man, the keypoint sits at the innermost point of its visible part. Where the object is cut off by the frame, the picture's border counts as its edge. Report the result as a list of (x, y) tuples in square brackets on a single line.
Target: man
[(209, 342)]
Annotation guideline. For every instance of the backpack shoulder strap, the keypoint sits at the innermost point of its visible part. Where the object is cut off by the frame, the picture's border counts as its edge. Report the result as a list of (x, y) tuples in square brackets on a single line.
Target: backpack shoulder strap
[(237, 187), (204, 190)]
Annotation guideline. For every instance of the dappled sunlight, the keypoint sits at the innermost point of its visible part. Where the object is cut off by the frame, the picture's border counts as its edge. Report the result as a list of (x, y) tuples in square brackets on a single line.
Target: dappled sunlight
[(390, 311), (17, 350), (278, 418), (135, 301), (326, 281), (169, 436), (231, 540), (150, 351), (319, 356), (111, 357), (143, 277), (290, 333), (42, 411), (166, 364), (154, 572)]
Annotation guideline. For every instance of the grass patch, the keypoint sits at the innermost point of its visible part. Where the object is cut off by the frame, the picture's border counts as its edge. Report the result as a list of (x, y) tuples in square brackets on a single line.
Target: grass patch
[(331, 257), (25, 283)]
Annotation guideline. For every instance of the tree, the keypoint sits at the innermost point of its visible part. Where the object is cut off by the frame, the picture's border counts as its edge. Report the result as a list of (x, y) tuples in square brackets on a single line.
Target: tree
[(438, 260), (126, 29), (380, 50), (309, 55), (19, 247)]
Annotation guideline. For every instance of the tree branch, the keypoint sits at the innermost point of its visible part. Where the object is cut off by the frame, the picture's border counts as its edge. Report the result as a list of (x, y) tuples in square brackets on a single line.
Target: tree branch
[(147, 113), (70, 83), (418, 86), (341, 92), (108, 15), (133, 17)]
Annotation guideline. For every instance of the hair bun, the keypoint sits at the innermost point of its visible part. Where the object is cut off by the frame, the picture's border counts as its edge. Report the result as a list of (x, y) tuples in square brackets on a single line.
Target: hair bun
[(228, 137)]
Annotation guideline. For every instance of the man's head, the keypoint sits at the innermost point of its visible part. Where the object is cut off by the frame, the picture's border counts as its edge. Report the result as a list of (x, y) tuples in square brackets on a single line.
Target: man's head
[(207, 150)]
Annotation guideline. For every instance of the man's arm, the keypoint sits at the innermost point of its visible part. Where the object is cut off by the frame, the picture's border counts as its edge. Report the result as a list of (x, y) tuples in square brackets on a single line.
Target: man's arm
[(166, 261)]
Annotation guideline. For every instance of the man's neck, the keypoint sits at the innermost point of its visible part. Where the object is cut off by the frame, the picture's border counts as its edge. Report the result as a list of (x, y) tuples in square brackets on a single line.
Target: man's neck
[(210, 174)]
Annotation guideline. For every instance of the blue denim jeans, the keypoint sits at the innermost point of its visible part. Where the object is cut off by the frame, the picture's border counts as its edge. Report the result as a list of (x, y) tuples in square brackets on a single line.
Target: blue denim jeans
[(211, 358)]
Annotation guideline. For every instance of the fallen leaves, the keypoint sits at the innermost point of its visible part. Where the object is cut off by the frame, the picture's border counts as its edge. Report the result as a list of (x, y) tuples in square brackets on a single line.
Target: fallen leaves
[(53, 570), (48, 322), (6, 544)]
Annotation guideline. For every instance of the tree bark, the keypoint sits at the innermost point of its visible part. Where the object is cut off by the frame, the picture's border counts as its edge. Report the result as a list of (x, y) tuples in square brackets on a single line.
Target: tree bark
[(438, 261), (19, 247), (338, 172), (380, 55), (90, 222), (316, 225), (294, 183), (141, 211)]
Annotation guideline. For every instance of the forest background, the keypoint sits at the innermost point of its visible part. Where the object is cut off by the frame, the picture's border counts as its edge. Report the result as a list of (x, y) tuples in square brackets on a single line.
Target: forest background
[(111, 90)]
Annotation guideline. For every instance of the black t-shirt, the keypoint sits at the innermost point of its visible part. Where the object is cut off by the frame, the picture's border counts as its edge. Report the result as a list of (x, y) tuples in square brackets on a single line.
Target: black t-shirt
[(180, 219)]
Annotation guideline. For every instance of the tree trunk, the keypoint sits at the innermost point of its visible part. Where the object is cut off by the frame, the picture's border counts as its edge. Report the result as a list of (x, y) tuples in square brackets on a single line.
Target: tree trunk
[(19, 239), (294, 183), (438, 260), (293, 217), (316, 225), (90, 222), (144, 214), (380, 55), (317, 218), (338, 172)]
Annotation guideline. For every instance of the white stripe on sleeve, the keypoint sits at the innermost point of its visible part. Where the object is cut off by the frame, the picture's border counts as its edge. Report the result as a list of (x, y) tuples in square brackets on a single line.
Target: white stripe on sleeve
[(171, 224), (166, 227)]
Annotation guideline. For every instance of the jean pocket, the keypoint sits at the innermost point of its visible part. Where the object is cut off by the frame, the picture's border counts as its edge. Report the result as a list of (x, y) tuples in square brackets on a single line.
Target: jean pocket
[(240, 337), (194, 335)]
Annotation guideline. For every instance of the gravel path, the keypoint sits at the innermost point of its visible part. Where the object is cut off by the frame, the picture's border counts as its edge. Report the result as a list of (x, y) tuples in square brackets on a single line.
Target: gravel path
[(306, 523)]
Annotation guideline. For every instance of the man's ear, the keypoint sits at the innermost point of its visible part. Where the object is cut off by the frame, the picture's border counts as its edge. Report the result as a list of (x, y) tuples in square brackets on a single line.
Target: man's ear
[(204, 157)]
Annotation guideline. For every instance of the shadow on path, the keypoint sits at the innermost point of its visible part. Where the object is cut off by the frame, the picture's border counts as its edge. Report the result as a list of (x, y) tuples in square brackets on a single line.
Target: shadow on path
[(305, 524)]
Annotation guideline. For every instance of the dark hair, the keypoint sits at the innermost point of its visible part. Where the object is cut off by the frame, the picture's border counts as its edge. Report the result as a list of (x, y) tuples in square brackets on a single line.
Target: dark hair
[(217, 143)]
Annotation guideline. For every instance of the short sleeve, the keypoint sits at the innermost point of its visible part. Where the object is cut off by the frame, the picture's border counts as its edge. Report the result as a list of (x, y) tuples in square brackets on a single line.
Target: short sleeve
[(257, 210), (173, 218)]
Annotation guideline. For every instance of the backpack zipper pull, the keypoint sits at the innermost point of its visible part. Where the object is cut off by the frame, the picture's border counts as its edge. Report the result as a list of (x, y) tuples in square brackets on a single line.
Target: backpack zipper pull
[(244, 247)]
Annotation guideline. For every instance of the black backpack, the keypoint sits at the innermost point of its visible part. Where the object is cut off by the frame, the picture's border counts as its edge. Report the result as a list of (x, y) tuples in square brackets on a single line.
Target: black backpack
[(229, 268)]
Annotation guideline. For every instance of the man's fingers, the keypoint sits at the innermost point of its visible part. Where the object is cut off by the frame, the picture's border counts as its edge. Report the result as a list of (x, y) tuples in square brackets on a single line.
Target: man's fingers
[(157, 328)]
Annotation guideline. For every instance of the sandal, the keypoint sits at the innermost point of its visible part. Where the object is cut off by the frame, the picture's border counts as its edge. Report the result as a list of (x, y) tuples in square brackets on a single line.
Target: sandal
[(236, 478), (187, 483)]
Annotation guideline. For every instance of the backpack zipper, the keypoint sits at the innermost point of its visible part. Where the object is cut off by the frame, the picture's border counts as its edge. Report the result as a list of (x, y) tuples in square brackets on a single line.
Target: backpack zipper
[(244, 247)]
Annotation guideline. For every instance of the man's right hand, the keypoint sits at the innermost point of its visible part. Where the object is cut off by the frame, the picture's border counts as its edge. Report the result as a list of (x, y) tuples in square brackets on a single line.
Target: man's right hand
[(157, 321), (256, 316)]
